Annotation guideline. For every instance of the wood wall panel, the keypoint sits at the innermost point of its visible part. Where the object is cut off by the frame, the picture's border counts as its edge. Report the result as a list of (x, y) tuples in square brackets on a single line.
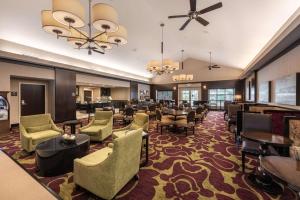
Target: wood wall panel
[(65, 95)]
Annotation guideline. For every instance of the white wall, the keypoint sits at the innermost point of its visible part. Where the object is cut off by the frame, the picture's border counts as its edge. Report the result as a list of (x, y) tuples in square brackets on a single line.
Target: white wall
[(286, 65), (201, 73), (85, 79)]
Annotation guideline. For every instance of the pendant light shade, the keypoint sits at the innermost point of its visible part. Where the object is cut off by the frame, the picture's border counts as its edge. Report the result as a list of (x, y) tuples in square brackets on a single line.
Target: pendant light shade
[(119, 37), (77, 39), (105, 18), (50, 25), (68, 12), (104, 42)]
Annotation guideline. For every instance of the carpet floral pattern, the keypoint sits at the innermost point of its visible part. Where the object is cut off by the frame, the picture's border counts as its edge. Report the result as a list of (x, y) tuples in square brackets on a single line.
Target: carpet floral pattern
[(206, 165)]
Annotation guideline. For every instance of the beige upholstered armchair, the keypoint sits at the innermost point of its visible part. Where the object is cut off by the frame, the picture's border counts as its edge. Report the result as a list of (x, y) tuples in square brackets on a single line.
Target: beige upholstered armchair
[(106, 171), (35, 129), (292, 130), (141, 120), (100, 127)]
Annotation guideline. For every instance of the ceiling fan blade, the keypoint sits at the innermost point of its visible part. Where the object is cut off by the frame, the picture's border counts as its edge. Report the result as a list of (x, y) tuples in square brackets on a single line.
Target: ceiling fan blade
[(177, 16), (210, 8), (193, 4), (216, 66), (185, 24), (202, 21), (98, 51)]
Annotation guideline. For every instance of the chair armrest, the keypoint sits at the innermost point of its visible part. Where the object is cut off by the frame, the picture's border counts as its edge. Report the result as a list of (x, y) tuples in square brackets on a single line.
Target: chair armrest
[(122, 129), (23, 132), (88, 125), (86, 163), (54, 127)]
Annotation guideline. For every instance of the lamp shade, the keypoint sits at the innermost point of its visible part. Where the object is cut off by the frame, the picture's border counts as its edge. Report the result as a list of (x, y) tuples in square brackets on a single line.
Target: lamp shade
[(119, 37), (68, 12), (189, 77), (50, 25), (102, 41), (182, 77), (167, 64), (105, 18), (77, 39)]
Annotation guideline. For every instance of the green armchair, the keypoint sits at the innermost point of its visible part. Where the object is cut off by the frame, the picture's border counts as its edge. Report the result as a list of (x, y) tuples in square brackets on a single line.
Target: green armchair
[(106, 171), (100, 127), (141, 120), (35, 129)]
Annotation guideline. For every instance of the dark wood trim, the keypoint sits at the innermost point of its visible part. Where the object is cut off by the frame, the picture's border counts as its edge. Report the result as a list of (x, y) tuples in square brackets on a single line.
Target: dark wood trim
[(35, 178), (255, 86), (298, 89), (45, 66), (270, 91)]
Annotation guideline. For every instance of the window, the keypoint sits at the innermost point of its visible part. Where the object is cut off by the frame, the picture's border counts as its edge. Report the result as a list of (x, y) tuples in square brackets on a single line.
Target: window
[(217, 97), (164, 95), (189, 95)]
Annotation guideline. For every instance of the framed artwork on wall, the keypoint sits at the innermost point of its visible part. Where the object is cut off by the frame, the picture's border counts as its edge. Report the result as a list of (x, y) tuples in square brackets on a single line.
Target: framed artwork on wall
[(285, 90)]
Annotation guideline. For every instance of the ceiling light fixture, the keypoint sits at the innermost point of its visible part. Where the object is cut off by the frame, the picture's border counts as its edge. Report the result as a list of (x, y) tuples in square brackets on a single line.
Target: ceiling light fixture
[(65, 20), (165, 66), (182, 77)]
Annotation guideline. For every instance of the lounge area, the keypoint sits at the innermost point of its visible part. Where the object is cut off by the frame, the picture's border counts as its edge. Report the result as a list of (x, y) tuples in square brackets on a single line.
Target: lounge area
[(104, 100)]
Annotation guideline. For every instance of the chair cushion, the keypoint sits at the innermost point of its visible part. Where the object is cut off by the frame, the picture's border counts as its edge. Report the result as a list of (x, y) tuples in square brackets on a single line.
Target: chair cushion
[(97, 156), (38, 137), (135, 126), (101, 122), (34, 129), (92, 130)]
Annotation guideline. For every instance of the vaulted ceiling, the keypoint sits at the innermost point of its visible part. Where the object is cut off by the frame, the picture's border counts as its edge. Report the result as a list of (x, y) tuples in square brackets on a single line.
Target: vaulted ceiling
[(235, 35)]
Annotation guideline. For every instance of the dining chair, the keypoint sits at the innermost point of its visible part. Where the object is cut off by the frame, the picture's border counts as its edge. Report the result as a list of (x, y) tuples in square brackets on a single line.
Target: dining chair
[(199, 114), (188, 122), (255, 122), (128, 115), (232, 113), (162, 121)]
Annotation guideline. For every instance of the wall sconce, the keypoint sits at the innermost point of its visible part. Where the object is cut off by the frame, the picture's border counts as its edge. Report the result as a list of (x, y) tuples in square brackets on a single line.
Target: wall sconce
[(204, 87), (174, 88)]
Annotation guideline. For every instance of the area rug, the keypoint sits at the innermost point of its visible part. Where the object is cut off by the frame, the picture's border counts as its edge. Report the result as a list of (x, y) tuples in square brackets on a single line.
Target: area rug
[(206, 165)]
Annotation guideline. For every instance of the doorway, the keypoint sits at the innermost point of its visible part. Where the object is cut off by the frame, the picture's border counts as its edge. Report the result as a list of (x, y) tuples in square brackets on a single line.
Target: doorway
[(32, 99)]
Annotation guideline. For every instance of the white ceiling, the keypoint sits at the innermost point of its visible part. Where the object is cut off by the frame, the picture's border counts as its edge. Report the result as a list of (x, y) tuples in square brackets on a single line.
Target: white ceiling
[(235, 35)]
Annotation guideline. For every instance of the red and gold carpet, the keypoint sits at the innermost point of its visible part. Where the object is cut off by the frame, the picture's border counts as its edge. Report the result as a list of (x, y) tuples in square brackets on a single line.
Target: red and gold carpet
[(206, 165)]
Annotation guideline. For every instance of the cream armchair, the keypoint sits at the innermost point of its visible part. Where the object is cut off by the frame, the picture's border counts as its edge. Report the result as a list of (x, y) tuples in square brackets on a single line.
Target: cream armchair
[(35, 129), (106, 171), (141, 120), (100, 127)]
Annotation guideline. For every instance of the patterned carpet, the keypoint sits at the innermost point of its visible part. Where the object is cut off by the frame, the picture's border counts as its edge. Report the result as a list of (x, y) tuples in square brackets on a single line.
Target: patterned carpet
[(206, 165)]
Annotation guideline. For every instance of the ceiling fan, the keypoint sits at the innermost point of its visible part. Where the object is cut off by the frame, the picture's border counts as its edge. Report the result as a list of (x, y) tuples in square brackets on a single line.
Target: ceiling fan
[(193, 14), (210, 67)]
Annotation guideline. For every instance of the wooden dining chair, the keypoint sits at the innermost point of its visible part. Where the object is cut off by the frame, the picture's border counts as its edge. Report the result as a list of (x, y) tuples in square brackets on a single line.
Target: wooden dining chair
[(188, 122), (162, 121), (255, 122)]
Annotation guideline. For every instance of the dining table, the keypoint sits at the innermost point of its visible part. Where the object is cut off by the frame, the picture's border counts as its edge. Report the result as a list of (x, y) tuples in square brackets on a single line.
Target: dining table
[(260, 178), (176, 113)]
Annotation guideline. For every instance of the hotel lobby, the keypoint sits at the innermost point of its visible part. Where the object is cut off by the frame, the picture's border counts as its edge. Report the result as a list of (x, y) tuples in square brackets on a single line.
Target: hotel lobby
[(150, 99)]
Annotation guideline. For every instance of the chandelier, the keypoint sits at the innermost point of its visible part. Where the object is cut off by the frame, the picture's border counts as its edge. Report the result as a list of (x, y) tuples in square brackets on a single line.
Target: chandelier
[(183, 77), (164, 66), (66, 19)]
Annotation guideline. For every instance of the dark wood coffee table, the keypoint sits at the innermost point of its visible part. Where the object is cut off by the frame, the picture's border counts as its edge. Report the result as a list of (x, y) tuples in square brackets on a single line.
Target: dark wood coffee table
[(72, 124), (55, 157), (260, 178)]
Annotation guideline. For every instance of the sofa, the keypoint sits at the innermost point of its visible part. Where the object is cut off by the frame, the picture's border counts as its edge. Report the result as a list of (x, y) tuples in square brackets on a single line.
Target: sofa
[(35, 129), (141, 120), (100, 127), (106, 171)]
